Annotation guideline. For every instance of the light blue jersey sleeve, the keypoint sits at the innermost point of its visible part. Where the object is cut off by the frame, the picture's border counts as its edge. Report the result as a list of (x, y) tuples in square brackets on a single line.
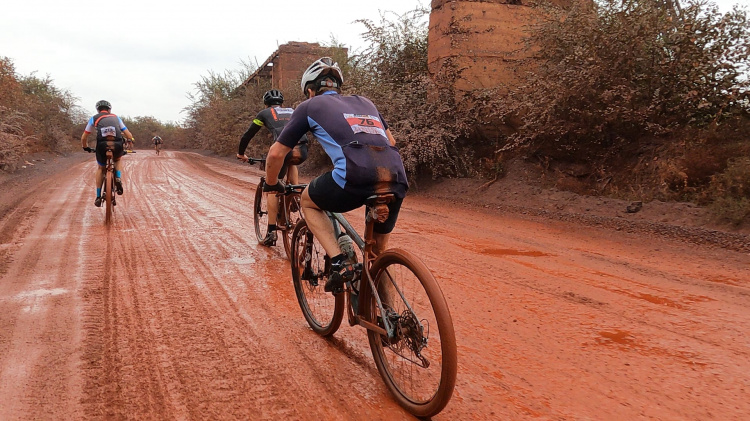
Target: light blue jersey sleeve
[(122, 125)]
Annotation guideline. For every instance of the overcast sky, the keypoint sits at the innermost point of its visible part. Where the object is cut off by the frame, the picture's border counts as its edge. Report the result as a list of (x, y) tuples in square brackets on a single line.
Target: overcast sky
[(144, 56)]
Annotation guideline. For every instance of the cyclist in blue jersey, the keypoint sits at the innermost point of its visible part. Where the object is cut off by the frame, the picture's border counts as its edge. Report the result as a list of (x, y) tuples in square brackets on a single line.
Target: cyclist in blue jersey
[(109, 127), (274, 117), (363, 151)]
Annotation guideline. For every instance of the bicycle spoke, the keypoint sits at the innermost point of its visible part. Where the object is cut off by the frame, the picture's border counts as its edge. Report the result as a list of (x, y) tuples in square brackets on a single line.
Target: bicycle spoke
[(403, 352), (310, 266), (418, 357), (260, 213), (292, 215)]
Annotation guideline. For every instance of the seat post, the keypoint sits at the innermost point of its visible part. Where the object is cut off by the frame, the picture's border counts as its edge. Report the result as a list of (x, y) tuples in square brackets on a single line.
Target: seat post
[(377, 211)]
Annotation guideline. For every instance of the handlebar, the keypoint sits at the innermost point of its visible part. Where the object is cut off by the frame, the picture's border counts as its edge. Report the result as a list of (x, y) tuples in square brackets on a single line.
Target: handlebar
[(92, 150), (252, 161), (294, 188)]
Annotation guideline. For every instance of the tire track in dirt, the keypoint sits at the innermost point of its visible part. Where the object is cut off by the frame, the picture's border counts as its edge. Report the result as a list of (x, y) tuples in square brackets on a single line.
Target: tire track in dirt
[(193, 386), (38, 304), (176, 313), (232, 364), (626, 312)]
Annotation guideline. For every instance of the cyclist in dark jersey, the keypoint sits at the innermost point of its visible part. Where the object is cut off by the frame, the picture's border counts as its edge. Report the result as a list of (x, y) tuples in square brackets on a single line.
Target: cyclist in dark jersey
[(274, 118), (363, 151), (108, 127)]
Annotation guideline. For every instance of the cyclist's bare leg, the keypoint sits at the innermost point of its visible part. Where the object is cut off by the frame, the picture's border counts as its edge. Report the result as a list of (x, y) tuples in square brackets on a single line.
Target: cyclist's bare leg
[(272, 202), (292, 175), (320, 225), (99, 176)]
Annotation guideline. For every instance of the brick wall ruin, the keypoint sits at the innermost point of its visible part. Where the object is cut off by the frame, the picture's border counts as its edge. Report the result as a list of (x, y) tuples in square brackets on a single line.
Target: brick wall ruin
[(284, 68), (482, 37)]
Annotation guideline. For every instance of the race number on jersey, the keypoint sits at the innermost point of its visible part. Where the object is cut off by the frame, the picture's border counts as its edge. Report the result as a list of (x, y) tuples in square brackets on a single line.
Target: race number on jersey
[(108, 131), (362, 123)]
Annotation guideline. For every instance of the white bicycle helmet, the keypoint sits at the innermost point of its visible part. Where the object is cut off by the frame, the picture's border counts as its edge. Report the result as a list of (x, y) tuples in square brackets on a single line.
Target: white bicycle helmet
[(324, 66)]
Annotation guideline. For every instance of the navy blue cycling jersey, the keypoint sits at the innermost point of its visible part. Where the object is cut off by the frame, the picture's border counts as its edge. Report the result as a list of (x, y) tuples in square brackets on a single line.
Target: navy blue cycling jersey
[(352, 133)]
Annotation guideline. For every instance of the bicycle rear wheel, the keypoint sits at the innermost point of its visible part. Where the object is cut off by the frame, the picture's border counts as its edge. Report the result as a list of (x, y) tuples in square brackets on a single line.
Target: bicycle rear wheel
[(310, 267), (293, 215), (109, 184), (260, 213), (419, 363)]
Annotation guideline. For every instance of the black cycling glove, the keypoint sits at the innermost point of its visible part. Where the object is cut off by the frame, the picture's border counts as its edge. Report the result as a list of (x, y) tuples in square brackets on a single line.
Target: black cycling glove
[(87, 149), (278, 187)]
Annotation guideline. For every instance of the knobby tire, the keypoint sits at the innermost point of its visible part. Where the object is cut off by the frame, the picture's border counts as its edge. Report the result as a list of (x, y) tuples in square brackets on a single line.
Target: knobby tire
[(109, 184), (293, 215), (423, 392), (260, 213), (322, 310)]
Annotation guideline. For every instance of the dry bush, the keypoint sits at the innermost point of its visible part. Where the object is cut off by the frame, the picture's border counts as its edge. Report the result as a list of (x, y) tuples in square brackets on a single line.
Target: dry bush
[(12, 141), (392, 72), (622, 71), (52, 112), (36, 115), (730, 192), (222, 110), (655, 101), (145, 128)]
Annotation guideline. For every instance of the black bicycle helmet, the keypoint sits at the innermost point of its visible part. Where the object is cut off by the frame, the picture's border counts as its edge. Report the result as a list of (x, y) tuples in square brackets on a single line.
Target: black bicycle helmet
[(322, 71), (101, 105), (273, 97)]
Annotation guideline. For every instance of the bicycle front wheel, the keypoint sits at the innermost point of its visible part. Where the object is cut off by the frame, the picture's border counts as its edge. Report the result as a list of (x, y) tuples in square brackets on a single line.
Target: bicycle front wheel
[(293, 214), (310, 268), (260, 213), (109, 184), (418, 361)]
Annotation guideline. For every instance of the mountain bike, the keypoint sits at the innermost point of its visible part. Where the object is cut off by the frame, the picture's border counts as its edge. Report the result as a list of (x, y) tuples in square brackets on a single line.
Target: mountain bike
[(289, 210), (395, 297), (108, 189)]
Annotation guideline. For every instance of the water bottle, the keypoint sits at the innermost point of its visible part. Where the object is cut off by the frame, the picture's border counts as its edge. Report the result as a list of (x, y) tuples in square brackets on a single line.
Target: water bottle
[(346, 245)]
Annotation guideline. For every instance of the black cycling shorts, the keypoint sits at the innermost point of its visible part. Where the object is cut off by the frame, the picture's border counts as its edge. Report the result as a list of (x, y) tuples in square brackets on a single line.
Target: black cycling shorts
[(101, 151), (327, 195), (296, 156)]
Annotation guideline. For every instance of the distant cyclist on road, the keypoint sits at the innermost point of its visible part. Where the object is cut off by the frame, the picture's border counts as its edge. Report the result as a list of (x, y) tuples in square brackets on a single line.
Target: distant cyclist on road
[(274, 118), (157, 143), (109, 128), (366, 161)]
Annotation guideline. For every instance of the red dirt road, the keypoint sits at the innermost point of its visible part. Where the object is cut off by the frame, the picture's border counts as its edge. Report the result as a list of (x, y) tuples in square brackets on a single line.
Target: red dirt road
[(176, 313)]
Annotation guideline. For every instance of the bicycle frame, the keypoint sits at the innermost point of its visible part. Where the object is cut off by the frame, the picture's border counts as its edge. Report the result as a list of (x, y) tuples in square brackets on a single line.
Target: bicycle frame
[(108, 181), (368, 256), (376, 299), (283, 197)]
